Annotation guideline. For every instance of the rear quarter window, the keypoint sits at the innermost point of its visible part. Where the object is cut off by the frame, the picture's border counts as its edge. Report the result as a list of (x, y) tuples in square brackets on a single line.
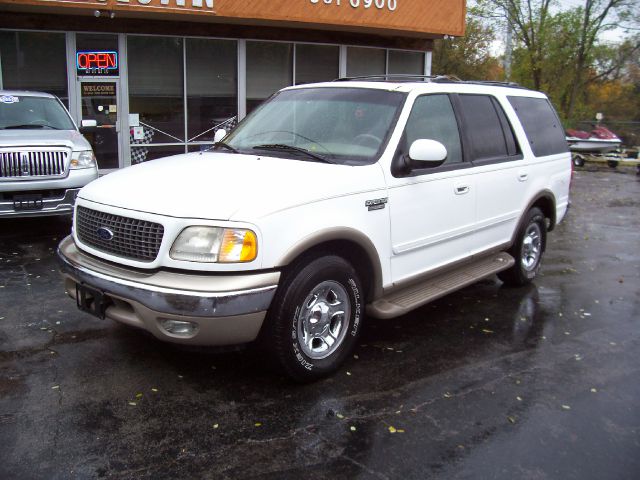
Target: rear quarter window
[(541, 124)]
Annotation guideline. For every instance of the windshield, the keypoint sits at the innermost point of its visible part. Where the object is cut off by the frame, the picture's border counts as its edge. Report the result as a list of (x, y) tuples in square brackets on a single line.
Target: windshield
[(338, 125), (33, 113)]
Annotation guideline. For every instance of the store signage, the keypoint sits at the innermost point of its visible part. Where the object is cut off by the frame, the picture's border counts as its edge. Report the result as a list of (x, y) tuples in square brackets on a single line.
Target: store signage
[(97, 63), (95, 89), (167, 3), (390, 5), (424, 18)]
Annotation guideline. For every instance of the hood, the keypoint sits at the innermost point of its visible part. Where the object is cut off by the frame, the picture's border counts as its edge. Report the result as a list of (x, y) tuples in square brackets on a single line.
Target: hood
[(43, 138), (223, 186)]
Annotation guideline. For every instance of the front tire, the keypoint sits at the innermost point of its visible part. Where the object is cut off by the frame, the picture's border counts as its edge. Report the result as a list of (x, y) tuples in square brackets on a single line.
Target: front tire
[(315, 317), (527, 250)]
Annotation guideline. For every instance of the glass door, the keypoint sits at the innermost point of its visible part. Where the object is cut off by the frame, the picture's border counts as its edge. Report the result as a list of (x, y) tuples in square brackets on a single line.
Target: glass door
[(99, 107)]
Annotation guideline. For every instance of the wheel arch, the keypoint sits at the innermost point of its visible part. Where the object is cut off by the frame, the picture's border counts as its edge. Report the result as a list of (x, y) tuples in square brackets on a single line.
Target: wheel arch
[(362, 253), (546, 202)]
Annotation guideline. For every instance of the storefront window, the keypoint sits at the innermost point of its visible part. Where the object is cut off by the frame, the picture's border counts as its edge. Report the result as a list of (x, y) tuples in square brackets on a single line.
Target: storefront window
[(34, 61), (366, 61), (406, 62), (144, 153), (156, 90), (212, 86), (269, 68), (316, 63)]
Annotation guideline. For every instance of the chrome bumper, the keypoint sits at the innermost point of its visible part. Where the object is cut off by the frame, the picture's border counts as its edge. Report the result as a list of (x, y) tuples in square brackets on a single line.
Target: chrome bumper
[(50, 206), (228, 309)]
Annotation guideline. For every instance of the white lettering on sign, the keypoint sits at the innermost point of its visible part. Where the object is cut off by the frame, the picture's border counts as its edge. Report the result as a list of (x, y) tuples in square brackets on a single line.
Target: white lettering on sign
[(178, 3), (390, 5)]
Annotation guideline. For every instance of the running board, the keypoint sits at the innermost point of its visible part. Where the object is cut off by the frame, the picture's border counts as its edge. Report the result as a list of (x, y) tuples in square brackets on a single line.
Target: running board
[(402, 301)]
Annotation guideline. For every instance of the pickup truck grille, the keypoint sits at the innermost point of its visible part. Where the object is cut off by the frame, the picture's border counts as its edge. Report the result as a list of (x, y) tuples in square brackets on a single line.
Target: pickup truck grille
[(33, 163), (122, 236)]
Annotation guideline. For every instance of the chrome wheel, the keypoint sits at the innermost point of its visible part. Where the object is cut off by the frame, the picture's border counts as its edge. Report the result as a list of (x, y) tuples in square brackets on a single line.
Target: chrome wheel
[(323, 319), (531, 247)]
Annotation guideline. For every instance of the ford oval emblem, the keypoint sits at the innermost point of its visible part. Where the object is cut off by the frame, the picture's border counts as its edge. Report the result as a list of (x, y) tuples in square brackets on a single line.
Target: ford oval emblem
[(104, 233)]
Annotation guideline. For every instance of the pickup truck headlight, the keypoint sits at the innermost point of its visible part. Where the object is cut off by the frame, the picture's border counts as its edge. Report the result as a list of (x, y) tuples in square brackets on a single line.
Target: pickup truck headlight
[(215, 245), (83, 159)]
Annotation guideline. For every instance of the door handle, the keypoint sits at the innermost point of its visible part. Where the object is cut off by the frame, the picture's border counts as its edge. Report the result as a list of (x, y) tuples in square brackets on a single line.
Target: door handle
[(523, 177), (462, 189)]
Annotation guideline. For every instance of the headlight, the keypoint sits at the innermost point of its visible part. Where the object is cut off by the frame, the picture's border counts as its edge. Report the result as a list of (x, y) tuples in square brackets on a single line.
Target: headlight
[(215, 245), (84, 159)]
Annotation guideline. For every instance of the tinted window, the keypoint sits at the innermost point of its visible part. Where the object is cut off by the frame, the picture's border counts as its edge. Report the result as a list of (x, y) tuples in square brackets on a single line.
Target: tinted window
[(541, 124), (432, 117), (486, 125)]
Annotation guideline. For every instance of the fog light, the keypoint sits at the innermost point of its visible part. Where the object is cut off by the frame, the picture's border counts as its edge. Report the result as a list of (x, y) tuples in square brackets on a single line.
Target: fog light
[(177, 327)]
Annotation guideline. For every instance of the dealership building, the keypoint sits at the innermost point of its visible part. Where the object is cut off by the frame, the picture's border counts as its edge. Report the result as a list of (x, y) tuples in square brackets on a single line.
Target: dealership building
[(160, 76)]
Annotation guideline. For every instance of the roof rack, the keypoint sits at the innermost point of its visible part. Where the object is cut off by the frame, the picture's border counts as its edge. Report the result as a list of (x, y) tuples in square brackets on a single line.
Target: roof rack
[(396, 77), (426, 78)]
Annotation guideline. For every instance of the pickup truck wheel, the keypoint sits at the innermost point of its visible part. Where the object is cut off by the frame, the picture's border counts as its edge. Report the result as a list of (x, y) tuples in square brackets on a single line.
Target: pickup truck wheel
[(315, 317), (527, 250)]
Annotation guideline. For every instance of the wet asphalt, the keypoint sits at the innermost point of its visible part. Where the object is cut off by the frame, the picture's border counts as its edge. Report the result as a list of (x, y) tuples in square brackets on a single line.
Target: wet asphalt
[(541, 382)]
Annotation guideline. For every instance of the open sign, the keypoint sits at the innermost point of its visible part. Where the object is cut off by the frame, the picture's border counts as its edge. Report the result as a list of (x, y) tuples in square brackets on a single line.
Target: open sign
[(97, 63)]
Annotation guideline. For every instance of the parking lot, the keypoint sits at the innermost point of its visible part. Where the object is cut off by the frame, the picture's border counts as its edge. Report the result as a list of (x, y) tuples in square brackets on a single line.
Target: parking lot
[(489, 382)]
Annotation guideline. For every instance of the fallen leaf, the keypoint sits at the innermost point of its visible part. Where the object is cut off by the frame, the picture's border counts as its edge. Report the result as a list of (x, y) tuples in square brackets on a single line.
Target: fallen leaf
[(519, 399), (400, 430), (348, 373), (356, 357), (566, 407), (55, 387), (511, 419), (138, 395), (392, 429), (155, 390), (340, 416), (594, 390), (486, 330), (352, 428), (133, 404), (215, 425), (447, 395), (257, 424)]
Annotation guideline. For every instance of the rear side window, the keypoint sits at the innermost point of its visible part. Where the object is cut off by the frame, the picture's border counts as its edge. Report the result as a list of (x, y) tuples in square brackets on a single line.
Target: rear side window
[(541, 124), (488, 128)]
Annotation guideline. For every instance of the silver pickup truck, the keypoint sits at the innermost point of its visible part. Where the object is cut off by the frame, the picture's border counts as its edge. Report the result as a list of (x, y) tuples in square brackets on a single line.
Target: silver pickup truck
[(44, 159)]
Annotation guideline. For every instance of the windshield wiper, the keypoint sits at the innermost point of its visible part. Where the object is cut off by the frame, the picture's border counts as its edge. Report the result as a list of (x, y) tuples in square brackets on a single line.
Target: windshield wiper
[(291, 148), (224, 145), (30, 125)]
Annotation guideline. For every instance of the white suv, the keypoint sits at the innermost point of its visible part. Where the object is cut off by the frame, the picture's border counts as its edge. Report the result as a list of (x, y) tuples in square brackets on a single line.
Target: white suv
[(328, 201)]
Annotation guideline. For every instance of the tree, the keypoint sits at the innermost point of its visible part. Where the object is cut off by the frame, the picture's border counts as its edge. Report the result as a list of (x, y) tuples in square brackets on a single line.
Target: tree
[(559, 50), (468, 57)]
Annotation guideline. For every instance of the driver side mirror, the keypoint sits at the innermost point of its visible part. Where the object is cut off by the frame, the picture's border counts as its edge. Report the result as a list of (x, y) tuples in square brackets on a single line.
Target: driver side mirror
[(219, 135), (429, 152)]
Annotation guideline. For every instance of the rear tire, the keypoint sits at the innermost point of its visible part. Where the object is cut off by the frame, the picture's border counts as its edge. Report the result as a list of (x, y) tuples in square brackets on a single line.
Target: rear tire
[(527, 250), (315, 318)]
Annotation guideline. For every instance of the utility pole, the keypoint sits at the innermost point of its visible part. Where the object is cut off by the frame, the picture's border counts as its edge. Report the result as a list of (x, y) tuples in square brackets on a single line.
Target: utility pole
[(508, 49)]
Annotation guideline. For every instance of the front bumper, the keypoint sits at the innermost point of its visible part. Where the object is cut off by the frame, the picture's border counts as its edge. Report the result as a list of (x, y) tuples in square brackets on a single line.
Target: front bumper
[(59, 205), (227, 309)]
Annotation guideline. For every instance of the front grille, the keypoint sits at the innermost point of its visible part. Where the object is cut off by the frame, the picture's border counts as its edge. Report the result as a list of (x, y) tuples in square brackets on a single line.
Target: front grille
[(132, 238), (33, 163)]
